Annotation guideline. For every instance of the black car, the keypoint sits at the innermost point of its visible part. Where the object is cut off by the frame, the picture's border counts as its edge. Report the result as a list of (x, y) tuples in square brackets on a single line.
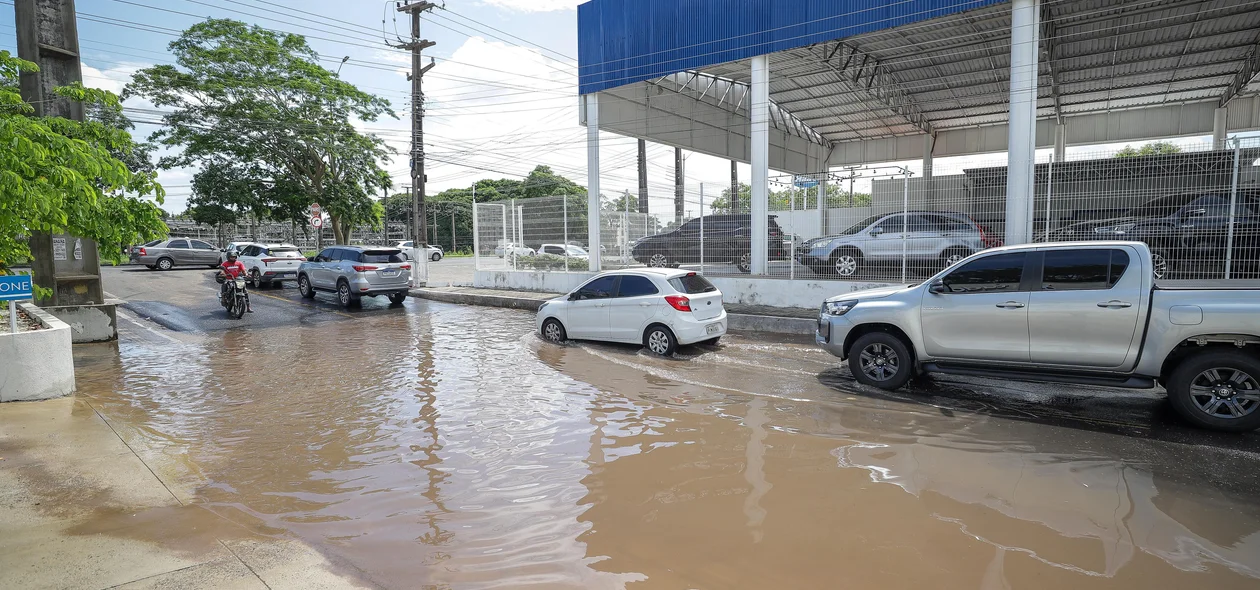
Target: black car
[(1187, 232), (726, 239)]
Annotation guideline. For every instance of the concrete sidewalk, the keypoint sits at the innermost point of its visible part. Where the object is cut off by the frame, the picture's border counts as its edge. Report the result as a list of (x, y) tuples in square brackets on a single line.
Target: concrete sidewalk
[(741, 318), (81, 508)]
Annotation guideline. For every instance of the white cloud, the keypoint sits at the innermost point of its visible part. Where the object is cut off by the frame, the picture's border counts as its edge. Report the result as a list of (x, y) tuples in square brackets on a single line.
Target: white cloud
[(535, 5)]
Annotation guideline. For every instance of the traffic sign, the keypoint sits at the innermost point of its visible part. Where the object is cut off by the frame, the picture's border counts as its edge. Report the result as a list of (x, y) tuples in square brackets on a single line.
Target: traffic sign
[(317, 222), (805, 182), (315, 210), (16, 288)]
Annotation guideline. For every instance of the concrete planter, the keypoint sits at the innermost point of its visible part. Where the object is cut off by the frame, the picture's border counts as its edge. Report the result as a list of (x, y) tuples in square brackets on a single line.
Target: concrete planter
[(36, 365)]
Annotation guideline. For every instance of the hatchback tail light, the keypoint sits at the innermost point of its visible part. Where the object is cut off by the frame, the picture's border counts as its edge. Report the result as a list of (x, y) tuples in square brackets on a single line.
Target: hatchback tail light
[(364, 268), (679, 302)]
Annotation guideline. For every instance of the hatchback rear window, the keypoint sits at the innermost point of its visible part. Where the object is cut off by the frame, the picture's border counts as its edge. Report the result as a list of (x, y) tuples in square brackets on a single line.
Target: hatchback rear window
[(381, 256), (692, 284)]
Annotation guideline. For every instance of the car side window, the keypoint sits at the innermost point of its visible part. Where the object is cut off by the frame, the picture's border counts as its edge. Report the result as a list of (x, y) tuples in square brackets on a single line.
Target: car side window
[(950, 223), (1000, 273), (1080, 270), (183, 244), (1209, 206), (200, 245), (890, 225), (325, 256), (636, 286), (923, 223), (553, 250), (601, 288)]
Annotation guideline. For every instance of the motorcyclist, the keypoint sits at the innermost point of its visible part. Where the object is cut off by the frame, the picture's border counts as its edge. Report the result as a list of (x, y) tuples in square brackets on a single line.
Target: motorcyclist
[(233, 268)]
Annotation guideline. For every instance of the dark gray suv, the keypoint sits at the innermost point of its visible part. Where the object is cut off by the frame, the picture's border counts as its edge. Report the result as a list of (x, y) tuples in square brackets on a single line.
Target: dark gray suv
[(353, 272)]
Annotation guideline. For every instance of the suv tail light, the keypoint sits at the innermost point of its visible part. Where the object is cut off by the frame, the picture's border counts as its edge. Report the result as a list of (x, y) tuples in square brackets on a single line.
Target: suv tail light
[(363, 267), (987, 240), (405, 267), (679, 302), (270, 260)]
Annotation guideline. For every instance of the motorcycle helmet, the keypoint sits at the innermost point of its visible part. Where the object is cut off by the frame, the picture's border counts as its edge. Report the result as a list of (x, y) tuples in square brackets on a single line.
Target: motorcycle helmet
[(231, 255)]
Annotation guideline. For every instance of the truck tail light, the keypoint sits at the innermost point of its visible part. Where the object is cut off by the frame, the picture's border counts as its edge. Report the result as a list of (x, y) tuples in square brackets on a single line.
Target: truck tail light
[(363, 268), (679, 302)]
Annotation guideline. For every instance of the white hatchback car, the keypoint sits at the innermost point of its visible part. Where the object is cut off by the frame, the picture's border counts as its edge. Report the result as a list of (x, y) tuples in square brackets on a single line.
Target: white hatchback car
[(657, 307), (432, 252)]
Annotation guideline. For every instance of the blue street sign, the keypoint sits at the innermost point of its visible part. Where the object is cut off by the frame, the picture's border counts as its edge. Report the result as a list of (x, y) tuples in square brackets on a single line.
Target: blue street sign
[(806, 182), (15, 288)]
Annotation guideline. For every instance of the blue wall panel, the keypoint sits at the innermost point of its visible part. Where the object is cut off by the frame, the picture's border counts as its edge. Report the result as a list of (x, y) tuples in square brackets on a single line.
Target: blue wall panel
[(625, 41)]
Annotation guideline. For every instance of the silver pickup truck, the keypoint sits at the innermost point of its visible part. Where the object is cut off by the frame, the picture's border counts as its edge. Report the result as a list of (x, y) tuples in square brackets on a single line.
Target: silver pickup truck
[(1085, 312)]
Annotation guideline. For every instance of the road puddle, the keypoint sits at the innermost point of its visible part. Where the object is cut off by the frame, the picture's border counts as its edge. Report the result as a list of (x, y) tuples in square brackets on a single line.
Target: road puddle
[(449, 447)]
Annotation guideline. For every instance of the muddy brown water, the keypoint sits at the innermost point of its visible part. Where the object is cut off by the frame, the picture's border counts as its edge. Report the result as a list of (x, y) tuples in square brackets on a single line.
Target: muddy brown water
[(449, 447)]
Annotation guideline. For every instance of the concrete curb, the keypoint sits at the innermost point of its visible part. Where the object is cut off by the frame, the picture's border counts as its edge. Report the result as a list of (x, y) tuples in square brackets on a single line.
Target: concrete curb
[(736, 321)]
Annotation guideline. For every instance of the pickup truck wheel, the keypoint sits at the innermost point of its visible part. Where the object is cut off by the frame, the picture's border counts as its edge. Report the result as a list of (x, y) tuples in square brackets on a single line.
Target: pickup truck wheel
[(881, 360), (1219, 390)]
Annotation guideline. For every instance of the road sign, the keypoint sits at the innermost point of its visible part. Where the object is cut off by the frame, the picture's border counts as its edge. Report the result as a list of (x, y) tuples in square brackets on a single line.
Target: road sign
[(805, 182), (16, 288), (315, 210), (317, 222)]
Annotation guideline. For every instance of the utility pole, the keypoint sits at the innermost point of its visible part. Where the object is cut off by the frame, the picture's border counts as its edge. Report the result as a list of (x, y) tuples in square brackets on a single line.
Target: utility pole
[(643, 194), (678, 186), (734, 188), (416, 46)]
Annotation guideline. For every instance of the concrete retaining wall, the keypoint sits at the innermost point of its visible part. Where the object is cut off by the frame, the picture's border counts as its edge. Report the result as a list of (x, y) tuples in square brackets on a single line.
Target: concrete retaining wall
[(88, 323), (530, 280), (37, 365)]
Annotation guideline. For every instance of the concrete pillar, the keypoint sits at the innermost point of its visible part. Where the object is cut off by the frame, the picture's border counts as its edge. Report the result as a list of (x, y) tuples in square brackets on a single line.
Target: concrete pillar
[(929, 185), (592, 180), (1220, 118), (1022, 121), (822, 204), (759, 107), (1060, 142)]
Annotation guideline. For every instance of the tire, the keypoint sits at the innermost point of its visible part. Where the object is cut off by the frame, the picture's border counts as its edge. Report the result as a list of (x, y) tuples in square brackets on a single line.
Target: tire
[(165, 264), (237, 310), (397, 298), (659, 260), (1161, 265), (1218, 389), (553, 331), (660, 341), (304, 287), (882, 360), (150, 266), (744, 263), (344, 296), (435, 257), (255, 279), (211, 266), (953, 256), (846, 263)]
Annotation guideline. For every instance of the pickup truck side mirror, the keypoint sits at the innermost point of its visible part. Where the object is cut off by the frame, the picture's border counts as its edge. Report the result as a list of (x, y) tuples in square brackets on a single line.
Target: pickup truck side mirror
[(938, 287)]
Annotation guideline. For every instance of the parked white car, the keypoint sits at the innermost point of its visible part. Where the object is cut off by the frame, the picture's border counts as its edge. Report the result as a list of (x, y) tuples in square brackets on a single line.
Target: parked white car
[(569, 251), (655, 307), (408, 248), (513, 250), (233, 246), (266, 264)]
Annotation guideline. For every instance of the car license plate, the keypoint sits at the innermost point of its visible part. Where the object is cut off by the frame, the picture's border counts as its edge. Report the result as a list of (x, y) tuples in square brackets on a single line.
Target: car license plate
[(714, 328), (389, 273)]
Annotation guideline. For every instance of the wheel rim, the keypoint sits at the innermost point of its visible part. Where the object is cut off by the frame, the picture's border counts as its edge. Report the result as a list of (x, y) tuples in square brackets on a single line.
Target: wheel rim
[(257, 279), (745, 262), (164, 264), (953, 259), (552, 331), (658, 342), (343, 292), (1159, 265), (436, 257), (879, 361), (659, 260), (1226, 393), (846, 264)]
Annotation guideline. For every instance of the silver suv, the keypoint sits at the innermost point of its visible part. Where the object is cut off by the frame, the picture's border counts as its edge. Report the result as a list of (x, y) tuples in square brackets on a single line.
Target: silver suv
[(933, 239), (355, 271)]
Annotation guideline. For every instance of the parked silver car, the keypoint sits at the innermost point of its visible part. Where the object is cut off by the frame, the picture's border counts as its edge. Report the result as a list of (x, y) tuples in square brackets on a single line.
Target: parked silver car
[(168, 254), (353, 272), (933, 239)]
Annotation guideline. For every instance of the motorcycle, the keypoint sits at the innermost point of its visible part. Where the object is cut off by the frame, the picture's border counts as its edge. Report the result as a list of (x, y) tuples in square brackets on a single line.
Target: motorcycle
[(235, 299)]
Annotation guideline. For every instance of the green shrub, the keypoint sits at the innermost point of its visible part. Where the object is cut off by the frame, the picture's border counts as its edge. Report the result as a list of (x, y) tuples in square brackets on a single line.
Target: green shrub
[(551, 262)]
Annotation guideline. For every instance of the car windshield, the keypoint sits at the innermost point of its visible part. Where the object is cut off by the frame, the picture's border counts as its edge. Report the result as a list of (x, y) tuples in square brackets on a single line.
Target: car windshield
[(865, 223), (1161, 207), (692, 284), (381, 256)]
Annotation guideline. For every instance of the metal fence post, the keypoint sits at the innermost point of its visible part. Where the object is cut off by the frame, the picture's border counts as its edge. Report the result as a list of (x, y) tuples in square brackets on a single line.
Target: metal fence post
[(1233, 209), (564, 209), (905, 224), (1049, 190), (792, 226), (476, 240), (506, 255), (702, 228)]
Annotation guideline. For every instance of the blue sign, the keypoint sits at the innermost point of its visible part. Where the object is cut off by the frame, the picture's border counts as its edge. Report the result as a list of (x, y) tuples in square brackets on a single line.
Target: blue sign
[(15, 288), (806, 182)]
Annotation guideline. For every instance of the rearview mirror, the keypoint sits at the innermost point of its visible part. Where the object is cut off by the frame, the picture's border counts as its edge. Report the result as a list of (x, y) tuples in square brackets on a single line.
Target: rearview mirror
[(937, 287), (875, 231), (574, 296), (1196, 213)]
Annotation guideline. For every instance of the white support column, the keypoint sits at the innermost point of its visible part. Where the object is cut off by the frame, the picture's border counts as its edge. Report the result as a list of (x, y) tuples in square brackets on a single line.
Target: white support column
[(592, 181), (759, 107), (1220, 131), (1022, 121), (1060, 142), (822, 205), (929, 185)]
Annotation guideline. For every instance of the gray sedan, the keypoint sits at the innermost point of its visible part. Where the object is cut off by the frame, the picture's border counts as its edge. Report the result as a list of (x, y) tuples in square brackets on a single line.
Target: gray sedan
[(168, 254)]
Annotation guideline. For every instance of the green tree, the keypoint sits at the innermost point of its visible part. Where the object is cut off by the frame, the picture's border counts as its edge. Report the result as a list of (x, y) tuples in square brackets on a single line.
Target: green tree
[(260, 100), (1158, 148), (793, 198), (62, 176)]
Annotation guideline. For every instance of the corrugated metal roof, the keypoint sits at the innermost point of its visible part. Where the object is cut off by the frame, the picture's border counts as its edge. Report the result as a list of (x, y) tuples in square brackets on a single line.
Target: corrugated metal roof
[(953, 71)]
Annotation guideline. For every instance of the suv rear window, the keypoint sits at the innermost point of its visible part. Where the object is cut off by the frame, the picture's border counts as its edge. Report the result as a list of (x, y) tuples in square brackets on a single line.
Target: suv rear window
[(286, 253), (692, 284), (380, 256)]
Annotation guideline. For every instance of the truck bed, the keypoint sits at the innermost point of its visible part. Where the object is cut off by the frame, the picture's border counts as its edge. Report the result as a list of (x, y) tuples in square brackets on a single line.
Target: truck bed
[(1208, 285)]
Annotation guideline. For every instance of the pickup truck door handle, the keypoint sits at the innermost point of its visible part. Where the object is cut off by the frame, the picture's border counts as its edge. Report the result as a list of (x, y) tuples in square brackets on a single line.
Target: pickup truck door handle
[(1010, 305), (1115, 303)]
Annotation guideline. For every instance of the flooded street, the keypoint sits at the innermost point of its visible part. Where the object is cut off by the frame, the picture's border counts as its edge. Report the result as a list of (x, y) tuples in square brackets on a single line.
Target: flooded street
[(441, 446)]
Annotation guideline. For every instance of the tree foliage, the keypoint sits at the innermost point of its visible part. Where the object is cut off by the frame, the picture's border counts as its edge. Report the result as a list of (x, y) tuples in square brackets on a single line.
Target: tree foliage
[(1158, 148), (64, 176), (792, 198), (268, 126)]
